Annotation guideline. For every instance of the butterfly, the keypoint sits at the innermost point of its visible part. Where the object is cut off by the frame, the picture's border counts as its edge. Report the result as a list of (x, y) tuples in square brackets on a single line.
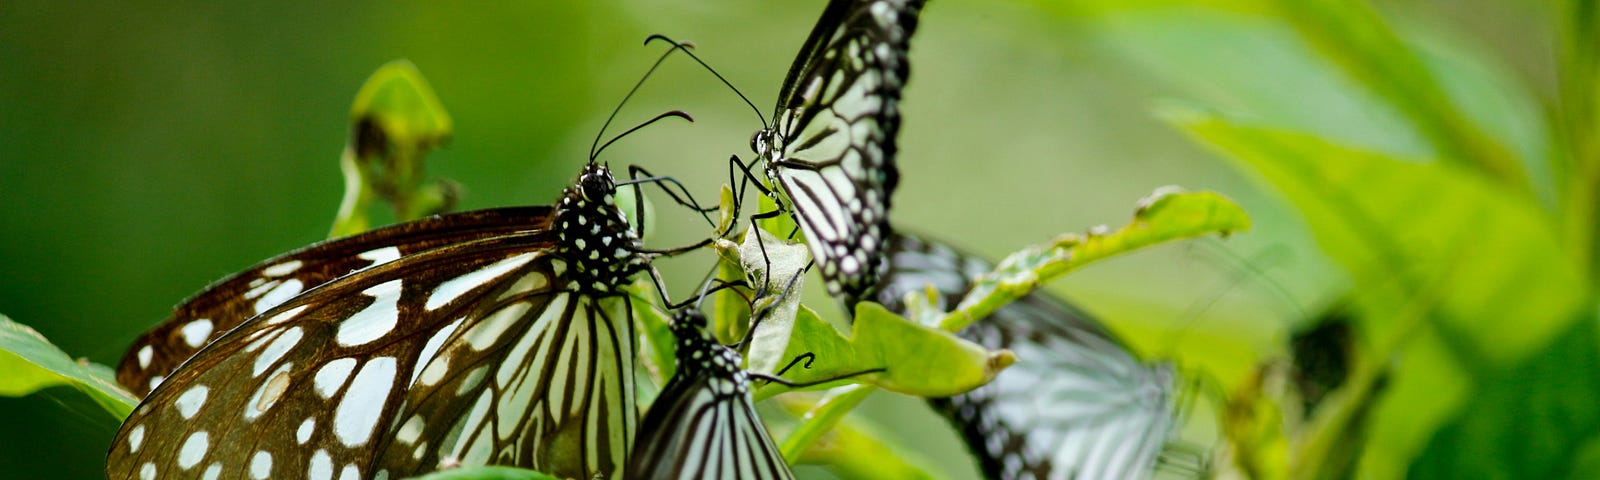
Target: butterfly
[(704, 423), (464, 339), (1077, 404), (831, 148)]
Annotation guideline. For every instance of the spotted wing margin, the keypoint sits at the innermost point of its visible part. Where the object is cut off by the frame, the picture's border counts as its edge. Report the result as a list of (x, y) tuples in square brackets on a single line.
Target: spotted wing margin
[(837, 120), (225, 304), (317, 384), (1077, 404), (691, 432)]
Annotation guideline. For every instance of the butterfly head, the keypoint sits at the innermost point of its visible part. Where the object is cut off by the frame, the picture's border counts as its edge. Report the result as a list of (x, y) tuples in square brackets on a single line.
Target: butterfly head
[(594, 235), (764, 142)]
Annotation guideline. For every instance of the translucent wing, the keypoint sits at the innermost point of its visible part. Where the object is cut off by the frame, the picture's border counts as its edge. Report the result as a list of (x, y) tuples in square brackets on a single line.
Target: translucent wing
[(512, 350), (1076, 404), (704, 425), (225, 304), (832, 146)]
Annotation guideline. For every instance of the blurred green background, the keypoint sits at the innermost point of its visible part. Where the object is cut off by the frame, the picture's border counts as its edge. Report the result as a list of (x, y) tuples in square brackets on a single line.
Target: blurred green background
[(148, 148)]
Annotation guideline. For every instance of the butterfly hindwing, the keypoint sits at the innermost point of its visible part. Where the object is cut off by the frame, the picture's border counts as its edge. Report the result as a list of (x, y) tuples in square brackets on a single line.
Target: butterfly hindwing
[(832, 146), (225, 304), (1077, 404)]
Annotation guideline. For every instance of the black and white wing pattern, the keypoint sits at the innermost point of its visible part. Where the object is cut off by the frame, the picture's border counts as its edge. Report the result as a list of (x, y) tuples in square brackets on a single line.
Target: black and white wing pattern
[(704, 424), (225, 304), (517, 349), (831, 148), (1076, 405)]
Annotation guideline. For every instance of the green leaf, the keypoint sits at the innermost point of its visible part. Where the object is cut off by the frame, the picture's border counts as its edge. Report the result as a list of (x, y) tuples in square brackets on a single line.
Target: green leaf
[(486, 473), (1167, 214), (1455, 275), (914, 359), (1356, 38), (1530, 421), (395, 121), (855, 449), (775, 268), (31, 363), (1398, 226)]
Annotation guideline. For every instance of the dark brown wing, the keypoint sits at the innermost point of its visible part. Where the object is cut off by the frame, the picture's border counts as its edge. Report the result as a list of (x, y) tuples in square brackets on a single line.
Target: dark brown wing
[(225, 304), (473, 353)]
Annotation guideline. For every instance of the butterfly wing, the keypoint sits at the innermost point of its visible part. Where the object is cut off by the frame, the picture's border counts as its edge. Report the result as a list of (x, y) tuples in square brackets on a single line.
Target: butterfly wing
[(832, 146), (704, 425), (1077, 404), (225, 304), (447, 355)]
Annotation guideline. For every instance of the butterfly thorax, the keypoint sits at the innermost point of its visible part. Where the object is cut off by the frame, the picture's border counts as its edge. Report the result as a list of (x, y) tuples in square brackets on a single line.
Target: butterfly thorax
[(767, 143), (699, 355), (594, 237)]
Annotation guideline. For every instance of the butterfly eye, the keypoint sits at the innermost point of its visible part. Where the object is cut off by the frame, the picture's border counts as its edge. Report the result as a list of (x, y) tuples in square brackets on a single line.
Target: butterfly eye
[(595, 187), (758, 142)]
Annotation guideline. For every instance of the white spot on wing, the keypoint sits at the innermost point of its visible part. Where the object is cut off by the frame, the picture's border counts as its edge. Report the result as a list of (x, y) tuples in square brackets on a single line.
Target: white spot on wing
[(490, 329), (196, 332), (194, 449), (267, 396), (455, 287), (279, 294), (357, 415), (147, 471), (190, 402), (303, 434), (286, 315), (261, 465), (145, 353), (135, 438), (276, 350), (380, 256), (213, 472), (282, 269), (350, 472), (412, 430), (332, 376), (321, 467), (375, 321), (430, 349)]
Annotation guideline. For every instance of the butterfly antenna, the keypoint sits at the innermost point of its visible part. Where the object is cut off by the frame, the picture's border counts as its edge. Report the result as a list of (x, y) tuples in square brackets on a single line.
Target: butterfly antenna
[(671, 114), (684, 47), (595, 152)]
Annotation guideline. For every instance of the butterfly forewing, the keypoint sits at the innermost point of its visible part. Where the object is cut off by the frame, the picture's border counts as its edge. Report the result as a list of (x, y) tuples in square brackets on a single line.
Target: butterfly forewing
[(225, 304), (1077, 404), (831, 149), (704, 424)]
